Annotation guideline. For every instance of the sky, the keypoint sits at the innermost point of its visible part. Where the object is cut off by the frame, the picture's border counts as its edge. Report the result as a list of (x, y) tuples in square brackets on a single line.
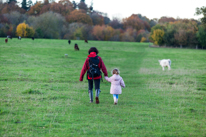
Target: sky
[(149, 8)]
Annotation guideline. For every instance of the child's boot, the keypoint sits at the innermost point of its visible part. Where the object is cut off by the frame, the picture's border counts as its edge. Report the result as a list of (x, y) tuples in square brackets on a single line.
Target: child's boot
[(91, 96)]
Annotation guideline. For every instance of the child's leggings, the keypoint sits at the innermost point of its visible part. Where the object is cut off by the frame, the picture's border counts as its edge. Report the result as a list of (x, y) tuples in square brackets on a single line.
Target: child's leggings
[(115, 96)]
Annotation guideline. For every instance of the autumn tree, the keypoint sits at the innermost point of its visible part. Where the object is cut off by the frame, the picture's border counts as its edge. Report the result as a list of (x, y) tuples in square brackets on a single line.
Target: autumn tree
[(181, 37), (23, 30), (7, 8), (157, 36), (97, 19), (163, 20), (129, 35), (142, 33), (79, 16), (98, 32), (35, 9), (133, 21), (83, 6), (143, 39), (116, 23)]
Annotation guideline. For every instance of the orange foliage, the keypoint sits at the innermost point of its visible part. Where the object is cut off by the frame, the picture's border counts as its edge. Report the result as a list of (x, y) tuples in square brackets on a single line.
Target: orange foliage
[(79, 16), (35, 10), (133, 21), (166, 19), (103, 32), (7, 8), (63, 7)]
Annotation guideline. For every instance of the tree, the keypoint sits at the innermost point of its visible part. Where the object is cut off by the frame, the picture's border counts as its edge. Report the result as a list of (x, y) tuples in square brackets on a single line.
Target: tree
[(201, 35), (143, 39), (35, 9), (24, 5), (200, 11), (7, 8), (129, 35), (133, 21), (158, 26), (74, 4), (116, 23), (157, 36), (163, 20), (23, 30), (106, 20), (79, 16), (12, 1), (83, 6), (15, 17), (181, 37), (170, 30), (97, 19), (50, 24)]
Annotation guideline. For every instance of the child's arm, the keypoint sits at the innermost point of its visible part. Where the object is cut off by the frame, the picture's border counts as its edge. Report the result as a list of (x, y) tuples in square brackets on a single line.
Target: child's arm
[(122, 83), (108, 79)]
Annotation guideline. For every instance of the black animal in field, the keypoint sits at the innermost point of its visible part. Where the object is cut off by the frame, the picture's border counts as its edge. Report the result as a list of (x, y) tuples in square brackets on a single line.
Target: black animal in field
[(76, 47), (32, 38), (85, 41), (6, 40), (69, 41)]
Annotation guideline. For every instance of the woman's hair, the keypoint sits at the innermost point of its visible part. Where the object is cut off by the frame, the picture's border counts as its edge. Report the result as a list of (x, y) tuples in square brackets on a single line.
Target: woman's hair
[(115, 71), (93, 49)]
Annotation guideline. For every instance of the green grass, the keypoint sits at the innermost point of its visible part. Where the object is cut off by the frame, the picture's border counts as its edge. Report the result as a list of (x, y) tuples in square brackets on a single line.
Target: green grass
[(40, 92)]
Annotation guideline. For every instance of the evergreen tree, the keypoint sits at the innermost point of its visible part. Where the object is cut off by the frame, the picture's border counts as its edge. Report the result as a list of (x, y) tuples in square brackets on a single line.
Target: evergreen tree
[(30, 3), (24, 5), (74, 4)]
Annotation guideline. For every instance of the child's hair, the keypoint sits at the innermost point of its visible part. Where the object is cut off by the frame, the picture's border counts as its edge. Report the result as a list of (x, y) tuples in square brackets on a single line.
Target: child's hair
[(115, 71)]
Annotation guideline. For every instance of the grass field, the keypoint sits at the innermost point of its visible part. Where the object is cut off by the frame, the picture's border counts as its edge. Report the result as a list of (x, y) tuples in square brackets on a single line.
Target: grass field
[(41, 96)]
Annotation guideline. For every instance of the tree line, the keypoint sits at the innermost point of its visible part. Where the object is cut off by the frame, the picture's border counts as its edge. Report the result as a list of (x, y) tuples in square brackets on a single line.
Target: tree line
[(71, 20)]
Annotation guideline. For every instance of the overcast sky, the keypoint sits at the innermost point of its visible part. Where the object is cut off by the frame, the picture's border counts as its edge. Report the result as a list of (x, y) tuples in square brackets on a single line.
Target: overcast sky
[(149, 8)]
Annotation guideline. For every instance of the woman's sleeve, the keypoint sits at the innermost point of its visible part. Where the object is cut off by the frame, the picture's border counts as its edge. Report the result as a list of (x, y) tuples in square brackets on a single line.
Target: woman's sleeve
[(122, 83), (108, 79), (83, 71), (103, 67)]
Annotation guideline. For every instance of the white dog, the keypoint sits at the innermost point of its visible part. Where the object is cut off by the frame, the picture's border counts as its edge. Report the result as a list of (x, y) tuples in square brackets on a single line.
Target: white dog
[(165, 63)]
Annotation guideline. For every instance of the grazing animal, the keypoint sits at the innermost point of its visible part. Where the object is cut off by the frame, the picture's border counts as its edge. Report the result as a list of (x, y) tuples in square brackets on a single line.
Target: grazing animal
[(85, 41), (19, 38), (76, 47), (6, 40), (32, 38), (69, 41), (165, 63), (9, 37)]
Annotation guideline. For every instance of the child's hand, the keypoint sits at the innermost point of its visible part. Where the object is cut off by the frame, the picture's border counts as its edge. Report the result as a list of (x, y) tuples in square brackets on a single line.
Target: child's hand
[(105, 77)]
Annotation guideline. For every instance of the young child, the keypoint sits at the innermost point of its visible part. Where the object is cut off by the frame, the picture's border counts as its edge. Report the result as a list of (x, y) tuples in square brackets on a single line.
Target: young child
[(116, 84)]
